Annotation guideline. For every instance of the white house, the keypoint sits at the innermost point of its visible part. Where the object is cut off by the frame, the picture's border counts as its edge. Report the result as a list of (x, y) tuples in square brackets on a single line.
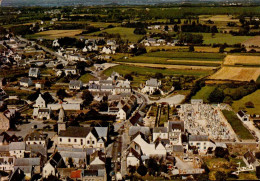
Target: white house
[(55, 162), (201, 142), (17, 149), (7, 163), (151, 86), (242, 116), (123, 113), (107, 50), (55, 43), (70, 71), (75, 84), (26, 82), (122, 87), (41, 113), (36, 138), (40, 102), (34, 72), (133, 158), (80, 137)]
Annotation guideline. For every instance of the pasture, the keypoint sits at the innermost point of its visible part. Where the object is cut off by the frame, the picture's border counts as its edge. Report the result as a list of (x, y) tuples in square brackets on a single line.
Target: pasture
[(242, 60), (237, 125), (254, 98), (125, 33), (221, 38), (147, 71), (236, 74), (204, 93)]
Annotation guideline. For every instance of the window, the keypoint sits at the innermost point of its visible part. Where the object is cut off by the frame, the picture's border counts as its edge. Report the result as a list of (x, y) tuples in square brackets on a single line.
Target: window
[(93, 142), (75, 140), (198, 143), (69, 140), (88, 142), (60, 139)]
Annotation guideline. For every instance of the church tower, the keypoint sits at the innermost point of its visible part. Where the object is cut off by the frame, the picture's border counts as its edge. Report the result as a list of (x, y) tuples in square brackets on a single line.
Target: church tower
[(61, 121)]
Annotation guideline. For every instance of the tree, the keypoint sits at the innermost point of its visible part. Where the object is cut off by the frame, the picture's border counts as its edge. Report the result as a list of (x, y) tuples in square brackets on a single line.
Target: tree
[(47, 97), (258, 172), (142, 170), (152, 166), (140, 31), (221, 152), (216, 96), (166, 28), (61, 94), (158, 75), (34, 96), (221, 49), (220, 176), (128, 77), (249, 104), (191, 48), (87, 97), (176, 28), (132, 169), (59, 66)]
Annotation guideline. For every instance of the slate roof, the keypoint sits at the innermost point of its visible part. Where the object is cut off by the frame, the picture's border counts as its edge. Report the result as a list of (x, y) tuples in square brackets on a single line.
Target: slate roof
[(35, 136), (25, 80), (198, 138), (135, 119), (176, 125), (241, 113), (160, 130), (152, 82), (249, 156), (101, 131), (76, 83), (27, 162), (17, 146), (78, 132), (135, 129)]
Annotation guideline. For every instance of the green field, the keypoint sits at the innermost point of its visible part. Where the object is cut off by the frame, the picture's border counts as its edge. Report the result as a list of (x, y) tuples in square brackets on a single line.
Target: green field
[(254, 98), (237, 125), (86, 77), (221, 38), (204, 93), (125, 33), (126, 69)]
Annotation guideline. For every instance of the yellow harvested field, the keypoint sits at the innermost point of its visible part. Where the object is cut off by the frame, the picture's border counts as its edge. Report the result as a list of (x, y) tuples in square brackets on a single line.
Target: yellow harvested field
[(186, 67), (206, 49), (236, 74), (242, 60), (216, 18), (254, 41), (53, 34)]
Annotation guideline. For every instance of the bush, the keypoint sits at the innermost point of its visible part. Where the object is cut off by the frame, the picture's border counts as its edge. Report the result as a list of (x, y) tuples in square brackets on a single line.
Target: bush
[(142, 170)]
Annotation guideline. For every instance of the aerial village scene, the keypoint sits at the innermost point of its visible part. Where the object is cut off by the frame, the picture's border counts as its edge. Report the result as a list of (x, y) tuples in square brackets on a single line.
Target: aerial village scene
[(129, 90)]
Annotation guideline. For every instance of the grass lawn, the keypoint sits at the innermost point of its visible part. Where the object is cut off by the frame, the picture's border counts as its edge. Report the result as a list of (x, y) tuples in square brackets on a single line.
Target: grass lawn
[(126, 69), (204, 93), (254, 98), (237, 125), (223, 38), (86, 77), (164, 115), (153, 111), (125, 33)]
